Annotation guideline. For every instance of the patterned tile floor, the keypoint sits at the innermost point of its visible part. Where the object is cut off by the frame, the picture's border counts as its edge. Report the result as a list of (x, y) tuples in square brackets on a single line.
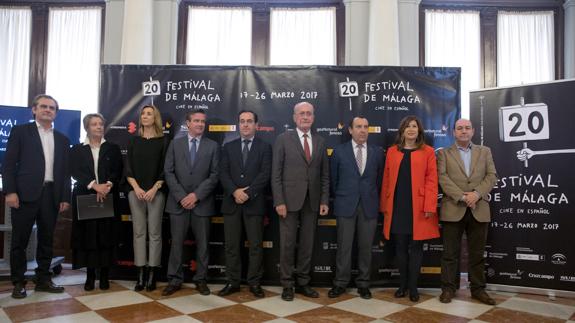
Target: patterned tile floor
[(121, 304)]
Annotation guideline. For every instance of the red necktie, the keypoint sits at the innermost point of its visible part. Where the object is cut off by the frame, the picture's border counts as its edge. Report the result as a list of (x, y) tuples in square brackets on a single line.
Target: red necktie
[(306, 148)]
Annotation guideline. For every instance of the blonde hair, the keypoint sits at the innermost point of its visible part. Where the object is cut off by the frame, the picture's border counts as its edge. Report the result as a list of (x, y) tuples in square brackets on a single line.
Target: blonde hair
[(158, 129)]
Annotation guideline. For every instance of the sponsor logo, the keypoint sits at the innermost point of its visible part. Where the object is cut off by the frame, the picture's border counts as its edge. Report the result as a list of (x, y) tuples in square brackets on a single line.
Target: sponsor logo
[(268, 244), (132, 127), (322, 269), (430, 270), (559, 259), (222, 128), (374, 129), (218, 219), (530, 257), (266, 129), (490, 272), (337, 131), (329, 245), (425, 247), (567, 279), (498, 255), (541, 276), (515, 275), (327, 222), (330, 151)]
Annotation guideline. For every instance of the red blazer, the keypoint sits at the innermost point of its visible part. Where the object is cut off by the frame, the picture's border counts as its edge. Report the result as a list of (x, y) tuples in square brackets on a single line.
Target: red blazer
[(423, 191)]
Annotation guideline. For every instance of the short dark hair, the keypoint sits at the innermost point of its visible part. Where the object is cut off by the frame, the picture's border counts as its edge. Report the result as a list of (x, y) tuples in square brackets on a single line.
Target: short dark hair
[(249, 111), (192, 112), (350, 124), (44, 96)]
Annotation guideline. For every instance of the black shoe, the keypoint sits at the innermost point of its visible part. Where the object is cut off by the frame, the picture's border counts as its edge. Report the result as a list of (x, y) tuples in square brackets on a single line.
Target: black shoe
[(364, 292), (141, 282), (446, 296), (90, 279), (306, 291), (19, 290), (257, 291), (414, 296), (170, 289), (203, 288), (483, 297), (104, 280), (49, 287), (228, 289), (335, 291), (287, 294), (151, 281), (399, 293)]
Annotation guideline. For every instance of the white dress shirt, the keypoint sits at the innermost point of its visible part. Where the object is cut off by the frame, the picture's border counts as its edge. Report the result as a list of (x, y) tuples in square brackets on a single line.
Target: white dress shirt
[(47, 139)]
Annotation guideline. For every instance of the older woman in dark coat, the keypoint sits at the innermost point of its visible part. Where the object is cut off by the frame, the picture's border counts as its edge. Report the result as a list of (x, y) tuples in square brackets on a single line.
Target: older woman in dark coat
[(96, 166)]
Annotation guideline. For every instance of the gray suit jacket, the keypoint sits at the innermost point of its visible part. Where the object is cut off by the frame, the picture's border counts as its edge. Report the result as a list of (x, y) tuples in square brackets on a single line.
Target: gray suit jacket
[(454, 182), (293, 177), (182, 179)]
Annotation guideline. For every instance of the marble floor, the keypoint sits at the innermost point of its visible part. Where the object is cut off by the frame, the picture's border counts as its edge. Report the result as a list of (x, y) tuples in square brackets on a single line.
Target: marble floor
[(121, 304)]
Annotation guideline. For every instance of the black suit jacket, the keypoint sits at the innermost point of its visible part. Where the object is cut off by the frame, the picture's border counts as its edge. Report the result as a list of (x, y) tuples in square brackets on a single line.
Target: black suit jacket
[(255, 174), (24, 166), (97, 233)]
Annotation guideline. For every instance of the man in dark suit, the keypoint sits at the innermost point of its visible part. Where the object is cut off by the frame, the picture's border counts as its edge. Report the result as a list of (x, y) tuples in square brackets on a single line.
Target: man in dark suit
[(191, 173), (300, 184), (356, 170), (466, 174), (36, 181), (245, 174)]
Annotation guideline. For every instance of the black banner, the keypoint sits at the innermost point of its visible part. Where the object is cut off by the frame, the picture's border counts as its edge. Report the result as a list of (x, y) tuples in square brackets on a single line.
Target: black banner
[(384, 95), (529, 130)]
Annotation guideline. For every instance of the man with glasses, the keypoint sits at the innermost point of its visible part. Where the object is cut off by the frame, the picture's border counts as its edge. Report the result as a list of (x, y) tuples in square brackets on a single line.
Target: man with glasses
[(300, 184), (36, 181)]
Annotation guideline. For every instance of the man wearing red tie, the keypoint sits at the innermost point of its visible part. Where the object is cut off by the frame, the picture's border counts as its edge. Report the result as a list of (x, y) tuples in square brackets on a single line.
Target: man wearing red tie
[(300, 185)]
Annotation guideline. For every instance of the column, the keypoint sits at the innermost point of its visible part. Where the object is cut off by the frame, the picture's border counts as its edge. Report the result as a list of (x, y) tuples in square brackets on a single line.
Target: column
[(383, 33), (409, 32), (165, 36), (569, 6), (356, 31), (137, 32)]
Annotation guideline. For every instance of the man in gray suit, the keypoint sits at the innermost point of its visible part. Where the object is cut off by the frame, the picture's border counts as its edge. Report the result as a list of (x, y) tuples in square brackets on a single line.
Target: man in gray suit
[(356, 171), (466, 174), (300, 185), (191, 172)]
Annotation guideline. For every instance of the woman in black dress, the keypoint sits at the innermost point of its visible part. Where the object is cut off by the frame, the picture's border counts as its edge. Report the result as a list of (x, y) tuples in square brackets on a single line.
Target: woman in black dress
[(96, 166)]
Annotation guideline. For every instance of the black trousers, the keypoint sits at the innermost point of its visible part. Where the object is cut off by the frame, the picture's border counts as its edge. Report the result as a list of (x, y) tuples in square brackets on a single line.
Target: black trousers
[(408, 254), (476, 239), (43, 212), (233, 229)]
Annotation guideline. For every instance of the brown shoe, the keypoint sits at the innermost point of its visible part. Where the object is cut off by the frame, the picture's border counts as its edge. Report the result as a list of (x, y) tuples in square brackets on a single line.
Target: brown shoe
[(446, 296), (483, 298)]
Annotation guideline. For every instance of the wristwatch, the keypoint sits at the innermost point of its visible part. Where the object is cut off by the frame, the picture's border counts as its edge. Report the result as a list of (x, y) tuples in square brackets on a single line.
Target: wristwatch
[(158, 186)]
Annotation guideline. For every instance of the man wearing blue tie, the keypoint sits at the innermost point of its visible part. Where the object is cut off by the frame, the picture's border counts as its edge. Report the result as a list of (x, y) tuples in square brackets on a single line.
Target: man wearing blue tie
[(191, 173), (355, 172)]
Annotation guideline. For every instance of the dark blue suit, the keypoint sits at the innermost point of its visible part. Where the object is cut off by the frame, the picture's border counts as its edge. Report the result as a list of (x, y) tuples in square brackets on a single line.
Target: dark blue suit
[(255, 174), (23, 173), (356, 206)]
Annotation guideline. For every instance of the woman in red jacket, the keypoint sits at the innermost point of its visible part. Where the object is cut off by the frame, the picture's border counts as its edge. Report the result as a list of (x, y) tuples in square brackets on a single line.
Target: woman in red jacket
[(409, 201)]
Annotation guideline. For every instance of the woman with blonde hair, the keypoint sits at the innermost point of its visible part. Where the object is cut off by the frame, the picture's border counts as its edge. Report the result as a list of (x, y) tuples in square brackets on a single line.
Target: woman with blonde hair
[(145, 174)]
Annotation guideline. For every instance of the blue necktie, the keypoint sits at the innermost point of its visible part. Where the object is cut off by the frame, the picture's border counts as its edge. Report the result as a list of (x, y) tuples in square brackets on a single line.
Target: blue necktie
[(193, 152)]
